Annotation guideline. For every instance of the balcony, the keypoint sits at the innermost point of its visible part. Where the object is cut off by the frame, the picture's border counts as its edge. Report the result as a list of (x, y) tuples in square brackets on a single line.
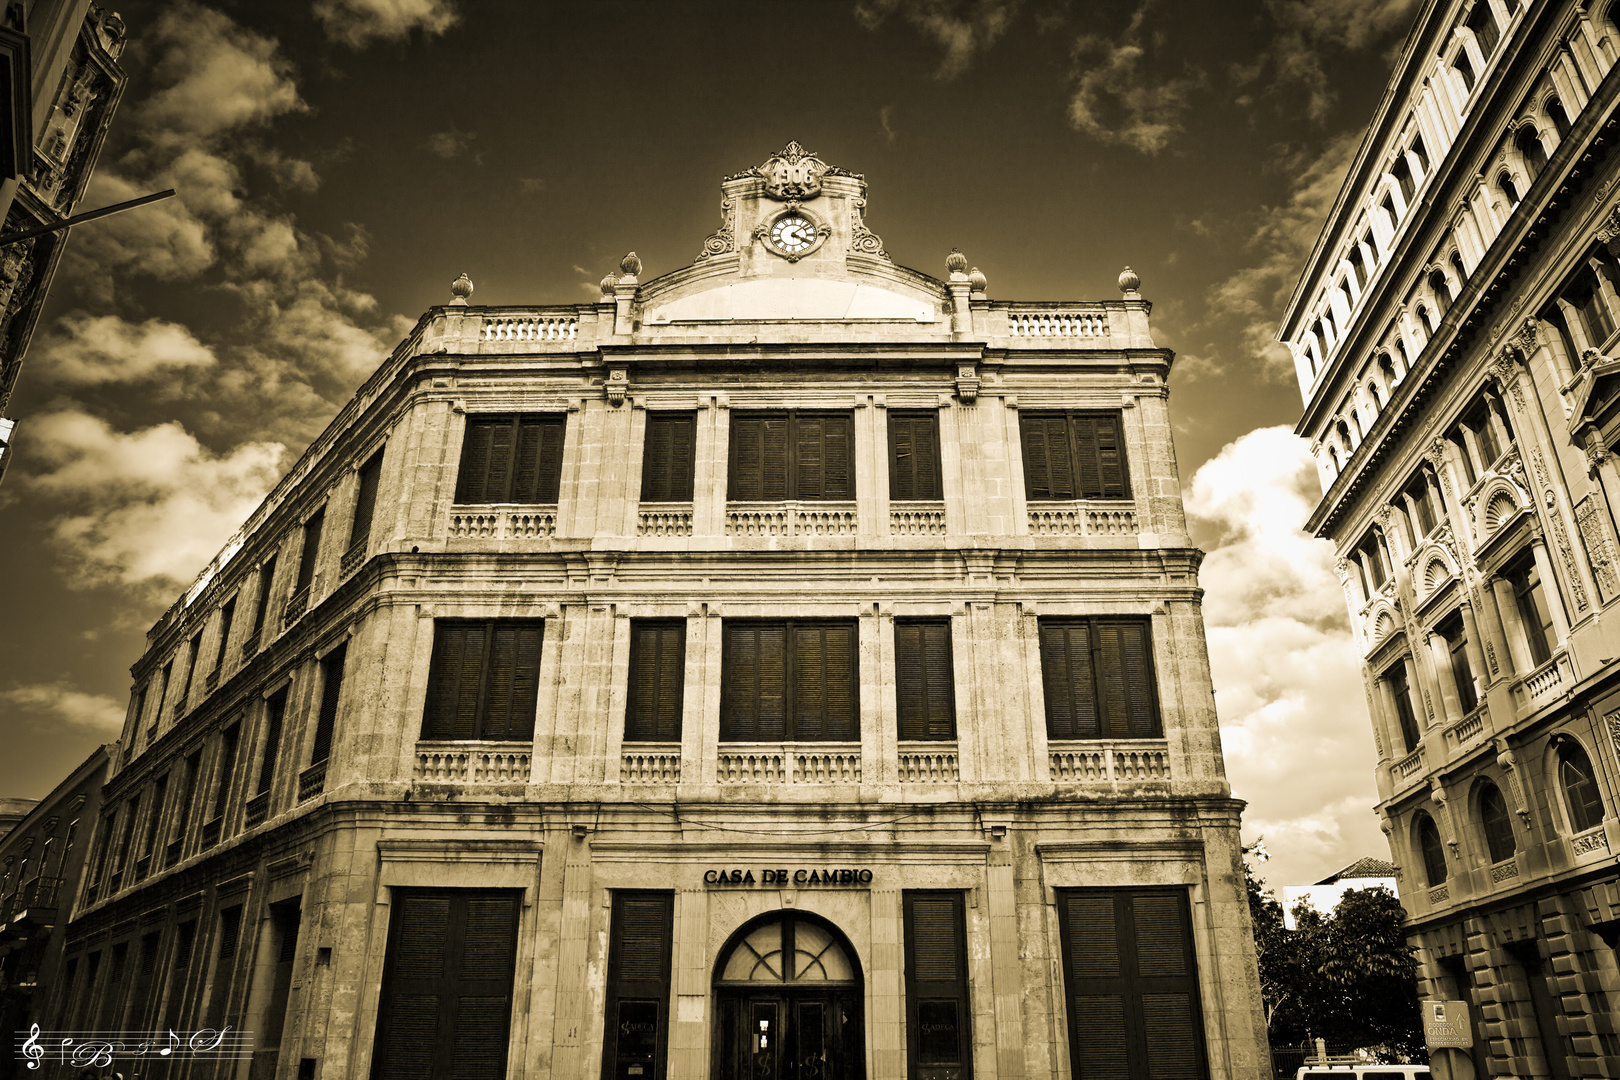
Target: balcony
[(172, 853), (1069, 323), (1589, 845), (211, 680), (789, 763), (295, 607), (258, 809), (650, 763), (1467, 729), (917, 519), (1408, 769), (211, 831), (312, 781), (472, 763), (1118, 764), (791, 519), (1545, 685), (1083, 517), (1506, 870), (929, 763), (671, 519), (507, 522), (353, 558)]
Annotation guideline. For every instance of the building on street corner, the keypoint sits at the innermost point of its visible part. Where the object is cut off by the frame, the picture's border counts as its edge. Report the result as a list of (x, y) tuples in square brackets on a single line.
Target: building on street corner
[(1454, 335), (788, 666)]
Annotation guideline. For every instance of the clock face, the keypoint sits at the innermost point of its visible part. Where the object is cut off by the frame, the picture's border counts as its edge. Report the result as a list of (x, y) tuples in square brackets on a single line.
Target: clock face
[(793, 234)]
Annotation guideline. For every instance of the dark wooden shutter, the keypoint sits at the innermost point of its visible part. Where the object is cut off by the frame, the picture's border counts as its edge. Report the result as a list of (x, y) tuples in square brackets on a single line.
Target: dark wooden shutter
[(914, 469), (453, 676), (668, 460), (1102, 456), (1067, 679), (230, 932), (746, 474), (306, 561), (275, 711), (810, 438), (824, 705), (267, 577), (227, 768), (512, 680), (923, 679), (484, 679), (447, 985), (1048, 464), (365, 500), (553, 434), (1141, 691), (503, 444), (528, 434), (472, 477), (753, 681), (657, 680), (146, 965), (1131, 985), (331, 688), (640, 946), (174, 1006), (938, 1031)]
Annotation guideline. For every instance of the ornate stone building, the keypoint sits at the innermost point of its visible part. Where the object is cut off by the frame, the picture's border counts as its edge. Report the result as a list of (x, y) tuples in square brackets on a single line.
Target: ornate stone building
[(61, 59), (1452, 333), (791, 665)]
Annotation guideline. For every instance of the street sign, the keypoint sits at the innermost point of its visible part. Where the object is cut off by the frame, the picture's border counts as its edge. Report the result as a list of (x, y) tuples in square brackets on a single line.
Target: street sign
[(1445, 1023)]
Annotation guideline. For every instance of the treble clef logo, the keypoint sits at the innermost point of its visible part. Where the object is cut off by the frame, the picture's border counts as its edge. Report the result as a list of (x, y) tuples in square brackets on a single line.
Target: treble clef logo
[(31, 1049)]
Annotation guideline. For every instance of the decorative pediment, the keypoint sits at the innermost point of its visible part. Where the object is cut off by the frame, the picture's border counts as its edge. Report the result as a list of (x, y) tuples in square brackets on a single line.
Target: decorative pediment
[(1434, 566), (1596, 387), (1381, 622), (1497, 504)]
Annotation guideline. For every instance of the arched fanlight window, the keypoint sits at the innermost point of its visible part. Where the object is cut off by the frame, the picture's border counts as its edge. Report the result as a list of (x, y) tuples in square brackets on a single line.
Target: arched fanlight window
[(1433, 851), (1581, 795), (1441, 290), (1494, 820), (1510, 190), (1558, 115), (1344, 437), (1387, 366), (1379, 395), (1527, 141), (1427, 319)]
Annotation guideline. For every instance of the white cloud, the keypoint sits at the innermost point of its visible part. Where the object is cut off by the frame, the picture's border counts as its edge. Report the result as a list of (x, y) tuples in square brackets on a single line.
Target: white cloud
[(960, 29), (214, 75), (1307, 30), (86, 350), (149, 507), (357, 23), (163, 240), (450, 144), (97, 714), (1115, 100), (1294, 723)]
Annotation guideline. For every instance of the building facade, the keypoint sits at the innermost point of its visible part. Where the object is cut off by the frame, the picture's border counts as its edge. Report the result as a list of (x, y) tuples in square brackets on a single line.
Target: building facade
[(791, 665), (1452, 334), (60, 58), (42, 861)]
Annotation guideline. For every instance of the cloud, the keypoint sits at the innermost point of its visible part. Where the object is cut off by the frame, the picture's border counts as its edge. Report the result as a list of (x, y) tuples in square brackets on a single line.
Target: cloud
[(143, 508), (886, 118), (961, 28), (89, 350), (531, 185), (1116, 101), (164, 240), (1279, 242), (1308, 31), (450, 144), (357, 23), (1294, 721), (97, 714), (213, 76)]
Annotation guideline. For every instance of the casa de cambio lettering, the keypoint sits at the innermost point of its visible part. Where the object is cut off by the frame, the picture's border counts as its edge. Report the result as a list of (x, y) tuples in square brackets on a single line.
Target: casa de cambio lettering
[(780, 667)]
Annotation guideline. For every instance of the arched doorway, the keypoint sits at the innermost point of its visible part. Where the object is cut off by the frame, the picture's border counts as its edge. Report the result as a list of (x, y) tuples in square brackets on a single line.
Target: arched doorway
[(788, 1002)]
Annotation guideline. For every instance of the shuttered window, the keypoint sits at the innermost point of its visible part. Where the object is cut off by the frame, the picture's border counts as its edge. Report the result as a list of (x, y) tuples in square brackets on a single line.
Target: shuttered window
[(1098, 677), (1131, 985), (668, 458), (228, 742), (484, 680), (275, 711), (923, 679), (308, 555), (939, 1043), (511, 459), (141, 1000), (331, 690), (446, 1003), (636, 1036), (657, 678), (230, 934), (1074, 455), (791, 455), (914, 472), (789, 680), (365, 500)]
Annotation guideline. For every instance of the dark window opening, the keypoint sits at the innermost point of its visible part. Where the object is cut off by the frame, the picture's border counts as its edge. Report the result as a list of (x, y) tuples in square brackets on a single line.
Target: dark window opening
[(365, 501), (657, 680), (1432, 850), (1581, 793), (914, 466), (1527, 141), (1074, 455), (939, 1039), (924, 689), (1559, 116), (668, 460), (331, 692), (1098, 678), (791, 455), (1482, 22), (640, 948), (511, 459), (484, 679), (789, 680), (275, 712), (1456, 638), (311, 550), (1510, 190), (1535, 615), (1401, 170), (1495, 823), (1401, 691)]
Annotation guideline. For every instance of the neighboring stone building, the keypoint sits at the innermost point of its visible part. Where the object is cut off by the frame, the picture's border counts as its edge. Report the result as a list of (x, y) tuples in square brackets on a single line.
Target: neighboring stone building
[(788, 666), (60, 59), (42, 863), (1324, 895), (1453, 334)]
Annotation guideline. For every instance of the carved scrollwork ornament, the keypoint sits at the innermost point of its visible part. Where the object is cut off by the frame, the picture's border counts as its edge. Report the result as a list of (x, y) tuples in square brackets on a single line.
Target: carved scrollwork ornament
[(1528, 338), (1610, 229), (863, 241), (1341, 567), (720, 241), (1597, 451)]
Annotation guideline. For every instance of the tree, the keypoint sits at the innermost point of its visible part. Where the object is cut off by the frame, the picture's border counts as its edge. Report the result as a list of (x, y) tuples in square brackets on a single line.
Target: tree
[(1347, 977)]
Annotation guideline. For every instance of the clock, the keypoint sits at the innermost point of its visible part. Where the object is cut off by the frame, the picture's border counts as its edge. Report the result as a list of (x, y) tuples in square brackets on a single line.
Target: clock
[(793, 234)]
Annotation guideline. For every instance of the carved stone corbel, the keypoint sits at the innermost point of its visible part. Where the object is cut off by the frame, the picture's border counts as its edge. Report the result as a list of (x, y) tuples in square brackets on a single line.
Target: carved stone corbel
[(616, 385), (967, 383), (1508, 762), (1437, 795), (1597, 450)]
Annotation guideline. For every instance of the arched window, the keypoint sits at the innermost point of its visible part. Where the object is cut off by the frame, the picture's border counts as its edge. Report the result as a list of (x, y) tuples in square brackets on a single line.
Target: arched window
[(1400, 347), (1558, 115), (1581, 794), (1509, 190), (1434, 852), (1387, 366), (1426, 319), (1494, 820), (1528, 143), (1344, 437), (1401, 170), (1379, 395), (1457, 268), (1441, 289)]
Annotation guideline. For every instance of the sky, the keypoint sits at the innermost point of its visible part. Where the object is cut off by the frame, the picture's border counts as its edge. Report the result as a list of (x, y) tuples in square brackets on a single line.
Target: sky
[(340, 162)]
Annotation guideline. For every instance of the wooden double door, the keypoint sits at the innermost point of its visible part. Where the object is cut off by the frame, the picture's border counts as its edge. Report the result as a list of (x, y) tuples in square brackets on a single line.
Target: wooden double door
[(789, 1033)]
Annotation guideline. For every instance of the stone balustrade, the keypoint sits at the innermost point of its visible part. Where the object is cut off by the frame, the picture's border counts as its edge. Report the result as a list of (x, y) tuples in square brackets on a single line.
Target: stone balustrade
[(650, 763), (929, 763), (1091, 517), (515, 522), (534, 327), (1546, 684), (1058, 323), (917, 519), (664, 520), (789, 763), (472, 763), (1117, 763), (791, 519), (1468, 728)]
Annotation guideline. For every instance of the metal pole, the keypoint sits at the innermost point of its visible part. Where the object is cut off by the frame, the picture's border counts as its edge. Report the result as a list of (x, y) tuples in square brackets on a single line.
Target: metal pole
[(78, 219)]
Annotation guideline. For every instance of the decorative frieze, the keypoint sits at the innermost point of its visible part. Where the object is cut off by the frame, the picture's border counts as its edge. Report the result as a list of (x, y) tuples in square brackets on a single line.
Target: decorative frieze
[(1599, 549)]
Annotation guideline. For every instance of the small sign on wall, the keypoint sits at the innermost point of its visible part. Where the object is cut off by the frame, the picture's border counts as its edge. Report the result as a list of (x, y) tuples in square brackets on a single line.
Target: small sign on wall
[(1445, 1024)]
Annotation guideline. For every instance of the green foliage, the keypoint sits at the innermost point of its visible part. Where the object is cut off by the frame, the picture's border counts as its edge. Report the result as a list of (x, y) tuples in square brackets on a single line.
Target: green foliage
[(1347, 977)]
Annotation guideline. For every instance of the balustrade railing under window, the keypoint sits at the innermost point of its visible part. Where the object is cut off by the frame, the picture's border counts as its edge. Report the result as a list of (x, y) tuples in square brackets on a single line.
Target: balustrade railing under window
[(507, 522), (473, 763), (1083, 517), (929, 763), (650, 763), (789, 763), (791, 519), (1118, 763)]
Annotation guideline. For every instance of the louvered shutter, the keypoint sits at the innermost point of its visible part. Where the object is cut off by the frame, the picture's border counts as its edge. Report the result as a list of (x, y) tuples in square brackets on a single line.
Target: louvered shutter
[(306, 574), (1067, 679), (472, 477), (923, 678), (1037, 461), (753, 682), (840, 694), (635, 1037), (668, 458), (502, 449), (939, 1040), (553, 436), (452, 697), (902, 458), (657, 678), (809, 449), (1141, 697), (331, 688), (746, 475), (837, 451), (1112, 704), (1083, 445), (810, 678), (483, 995), (275, 711), (500, 681), (526, 482), (141, 1003), (230, 932), (1131, 984), (365, 499), (923, 471), (1060, 457), (773, 459), (1112, 481)]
